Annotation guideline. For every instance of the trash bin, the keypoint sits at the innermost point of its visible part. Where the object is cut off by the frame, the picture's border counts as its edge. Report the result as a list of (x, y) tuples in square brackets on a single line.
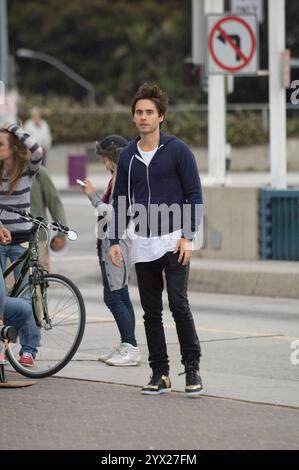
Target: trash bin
[(76, 168), (279, 224)]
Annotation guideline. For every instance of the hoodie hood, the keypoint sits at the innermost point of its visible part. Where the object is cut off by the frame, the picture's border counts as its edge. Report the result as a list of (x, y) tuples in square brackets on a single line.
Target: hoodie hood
[(165, 139)]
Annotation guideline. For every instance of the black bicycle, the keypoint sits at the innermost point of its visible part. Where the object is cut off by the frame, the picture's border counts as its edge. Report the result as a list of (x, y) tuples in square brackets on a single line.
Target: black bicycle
[(57, 305)]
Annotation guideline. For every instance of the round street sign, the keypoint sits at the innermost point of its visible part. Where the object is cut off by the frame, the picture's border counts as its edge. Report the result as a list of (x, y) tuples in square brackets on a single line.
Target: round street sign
[(232, 44)]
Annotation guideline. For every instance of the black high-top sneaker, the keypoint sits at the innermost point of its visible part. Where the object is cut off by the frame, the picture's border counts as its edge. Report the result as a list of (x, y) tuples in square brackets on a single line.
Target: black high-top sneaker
[(193, 380), (158, 384)]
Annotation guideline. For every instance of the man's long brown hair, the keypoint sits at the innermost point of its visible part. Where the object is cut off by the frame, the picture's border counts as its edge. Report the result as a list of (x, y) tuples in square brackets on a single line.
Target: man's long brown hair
[(20, 157)]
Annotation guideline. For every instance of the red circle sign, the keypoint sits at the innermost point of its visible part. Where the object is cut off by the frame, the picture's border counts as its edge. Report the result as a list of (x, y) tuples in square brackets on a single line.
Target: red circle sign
[(218, 28)]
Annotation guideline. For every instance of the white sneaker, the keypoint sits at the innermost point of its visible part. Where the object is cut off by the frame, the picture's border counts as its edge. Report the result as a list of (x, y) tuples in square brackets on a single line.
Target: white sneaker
[(127, 355), (109, 355)]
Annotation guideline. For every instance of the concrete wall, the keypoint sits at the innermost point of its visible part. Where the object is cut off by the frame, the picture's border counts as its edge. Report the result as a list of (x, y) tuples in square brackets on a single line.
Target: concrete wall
[(252, 158), (231, 223)]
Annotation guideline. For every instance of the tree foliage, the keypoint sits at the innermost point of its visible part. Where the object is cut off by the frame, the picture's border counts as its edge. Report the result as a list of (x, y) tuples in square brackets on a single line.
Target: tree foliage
[(116, 44)]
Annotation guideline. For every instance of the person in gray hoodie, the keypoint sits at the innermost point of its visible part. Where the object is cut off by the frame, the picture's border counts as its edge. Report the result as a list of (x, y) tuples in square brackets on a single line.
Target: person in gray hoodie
[(115, 280)]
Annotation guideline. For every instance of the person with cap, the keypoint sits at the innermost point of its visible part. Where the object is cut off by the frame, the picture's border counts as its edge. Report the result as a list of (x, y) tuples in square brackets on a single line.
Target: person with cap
[(115, 281)]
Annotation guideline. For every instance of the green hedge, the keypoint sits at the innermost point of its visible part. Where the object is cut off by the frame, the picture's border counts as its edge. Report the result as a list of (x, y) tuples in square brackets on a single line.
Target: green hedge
[(72, 122)]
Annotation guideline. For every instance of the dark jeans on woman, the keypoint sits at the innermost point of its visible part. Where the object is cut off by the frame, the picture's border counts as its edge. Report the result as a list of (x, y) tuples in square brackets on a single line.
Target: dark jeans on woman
[(119, 303), (150, 284)]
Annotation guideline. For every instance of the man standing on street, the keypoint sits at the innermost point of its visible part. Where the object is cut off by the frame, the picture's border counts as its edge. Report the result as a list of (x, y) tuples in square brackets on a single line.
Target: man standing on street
[(159, 171)]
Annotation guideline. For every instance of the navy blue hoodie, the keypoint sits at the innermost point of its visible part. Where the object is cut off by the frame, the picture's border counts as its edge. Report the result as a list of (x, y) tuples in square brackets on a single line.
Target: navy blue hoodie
[(171, 178)]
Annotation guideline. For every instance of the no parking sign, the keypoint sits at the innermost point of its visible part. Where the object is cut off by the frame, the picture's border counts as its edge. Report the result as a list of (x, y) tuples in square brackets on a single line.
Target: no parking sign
[(233, 45)]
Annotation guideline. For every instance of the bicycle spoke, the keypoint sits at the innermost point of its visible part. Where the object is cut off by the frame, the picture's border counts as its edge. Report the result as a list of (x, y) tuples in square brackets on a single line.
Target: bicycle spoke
[(62, 326)]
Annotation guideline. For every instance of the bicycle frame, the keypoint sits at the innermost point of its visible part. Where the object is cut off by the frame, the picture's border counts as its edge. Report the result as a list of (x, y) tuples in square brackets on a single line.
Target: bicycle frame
[(30, 265), (57, 304)]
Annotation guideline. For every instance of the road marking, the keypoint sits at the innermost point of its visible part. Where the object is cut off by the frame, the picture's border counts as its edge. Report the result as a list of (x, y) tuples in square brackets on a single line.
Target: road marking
[(277, 336)]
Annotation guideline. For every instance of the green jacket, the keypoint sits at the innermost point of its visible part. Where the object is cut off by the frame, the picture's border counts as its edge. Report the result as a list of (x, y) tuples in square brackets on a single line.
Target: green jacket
[(43, 196)]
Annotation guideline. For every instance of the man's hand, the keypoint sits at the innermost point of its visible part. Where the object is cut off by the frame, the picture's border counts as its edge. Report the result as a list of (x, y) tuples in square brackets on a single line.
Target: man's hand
[(116, 256), (5, 236), (185, 248)]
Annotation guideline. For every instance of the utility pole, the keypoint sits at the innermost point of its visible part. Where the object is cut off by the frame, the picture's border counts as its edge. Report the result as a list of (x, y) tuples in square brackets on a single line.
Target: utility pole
[(217, 114), (3, 43), (199, 40), (278, 135)]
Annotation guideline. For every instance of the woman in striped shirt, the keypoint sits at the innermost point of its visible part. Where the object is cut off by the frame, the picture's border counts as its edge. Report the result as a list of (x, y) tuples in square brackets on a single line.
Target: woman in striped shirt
[(20, 159)]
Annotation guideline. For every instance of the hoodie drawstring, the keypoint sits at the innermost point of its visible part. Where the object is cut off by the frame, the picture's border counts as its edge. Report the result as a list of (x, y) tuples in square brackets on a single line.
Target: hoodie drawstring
[(129, 186)]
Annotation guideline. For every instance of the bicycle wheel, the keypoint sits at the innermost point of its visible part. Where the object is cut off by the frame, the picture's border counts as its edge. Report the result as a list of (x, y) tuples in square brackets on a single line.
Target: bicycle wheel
[(61, 329)]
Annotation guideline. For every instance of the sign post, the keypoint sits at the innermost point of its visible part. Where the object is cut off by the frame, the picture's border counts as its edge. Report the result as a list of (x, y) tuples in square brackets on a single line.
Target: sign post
[(278, 135), (217, 114)]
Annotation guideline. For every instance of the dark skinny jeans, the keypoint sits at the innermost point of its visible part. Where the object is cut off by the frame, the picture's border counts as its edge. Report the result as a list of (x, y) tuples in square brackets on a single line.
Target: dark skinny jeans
[(150, 284)]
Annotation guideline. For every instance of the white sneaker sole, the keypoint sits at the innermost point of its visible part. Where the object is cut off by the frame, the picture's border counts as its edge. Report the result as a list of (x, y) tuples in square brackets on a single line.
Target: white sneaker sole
[(193, 394), (148, 392)]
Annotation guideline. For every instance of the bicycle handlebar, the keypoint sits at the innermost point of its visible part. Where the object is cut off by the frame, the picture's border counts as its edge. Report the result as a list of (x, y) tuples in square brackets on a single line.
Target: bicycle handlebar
[(41, 221)]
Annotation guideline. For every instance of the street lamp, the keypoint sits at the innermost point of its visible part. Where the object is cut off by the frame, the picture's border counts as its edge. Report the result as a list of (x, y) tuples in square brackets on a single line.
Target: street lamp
[(29, 54)]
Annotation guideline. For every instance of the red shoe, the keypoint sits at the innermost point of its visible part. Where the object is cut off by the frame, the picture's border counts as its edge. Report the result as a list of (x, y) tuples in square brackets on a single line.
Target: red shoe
[(26, 360)]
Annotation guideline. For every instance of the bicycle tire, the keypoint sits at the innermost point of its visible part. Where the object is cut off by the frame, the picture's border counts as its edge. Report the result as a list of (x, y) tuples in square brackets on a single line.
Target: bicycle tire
[(45, 364)]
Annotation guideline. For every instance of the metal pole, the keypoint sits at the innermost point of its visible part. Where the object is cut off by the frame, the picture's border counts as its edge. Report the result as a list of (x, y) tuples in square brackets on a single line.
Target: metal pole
[(217, 114), (199, 41), (278, 135), (3, 43)]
